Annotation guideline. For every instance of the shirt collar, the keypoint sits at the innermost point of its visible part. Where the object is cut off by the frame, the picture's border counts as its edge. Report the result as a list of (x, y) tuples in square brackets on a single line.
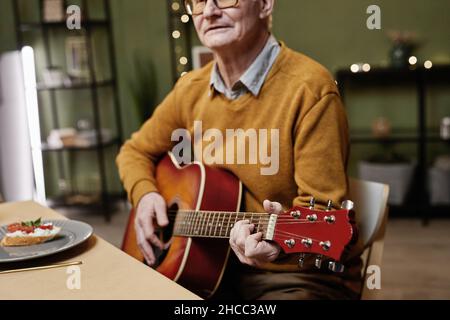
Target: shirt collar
[(254, 77)]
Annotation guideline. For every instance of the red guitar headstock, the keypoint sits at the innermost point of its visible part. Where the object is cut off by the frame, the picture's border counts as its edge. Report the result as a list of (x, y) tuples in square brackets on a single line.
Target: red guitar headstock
[(319, 232)]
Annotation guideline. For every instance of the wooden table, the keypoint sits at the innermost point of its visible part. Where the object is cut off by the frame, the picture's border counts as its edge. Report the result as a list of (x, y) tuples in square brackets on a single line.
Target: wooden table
[(106, 272)]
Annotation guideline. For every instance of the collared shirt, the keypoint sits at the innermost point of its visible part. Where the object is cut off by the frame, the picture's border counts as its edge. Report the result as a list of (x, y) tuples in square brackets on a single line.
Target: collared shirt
[(253, 78)]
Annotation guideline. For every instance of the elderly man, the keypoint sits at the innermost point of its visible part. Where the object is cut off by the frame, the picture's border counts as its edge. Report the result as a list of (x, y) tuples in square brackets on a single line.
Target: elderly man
[(254, 82)]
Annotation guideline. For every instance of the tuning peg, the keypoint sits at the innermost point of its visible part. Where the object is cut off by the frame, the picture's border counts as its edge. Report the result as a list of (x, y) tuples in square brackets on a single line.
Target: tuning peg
[(318, 262), (312, 203), (336, 266), (301, 260), (347, 205), (326, 245), (329, 205), (290, 243)]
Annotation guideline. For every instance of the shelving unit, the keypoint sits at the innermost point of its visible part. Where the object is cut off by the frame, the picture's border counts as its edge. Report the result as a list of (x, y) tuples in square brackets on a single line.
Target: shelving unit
[(92, 87), (422, 136)]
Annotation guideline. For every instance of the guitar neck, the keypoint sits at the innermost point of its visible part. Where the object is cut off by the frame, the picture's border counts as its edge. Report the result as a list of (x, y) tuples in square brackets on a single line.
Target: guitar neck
[(217, 224)]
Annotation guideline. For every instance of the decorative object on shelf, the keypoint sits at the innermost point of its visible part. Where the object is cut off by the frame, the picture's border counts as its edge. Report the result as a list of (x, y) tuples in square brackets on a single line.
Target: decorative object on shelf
[(77, 57), (53, 11), (53, 77), (381, 127), (71, 138), (439, 181), (403, 45), (144, 87), (59, 138), (445, 128)]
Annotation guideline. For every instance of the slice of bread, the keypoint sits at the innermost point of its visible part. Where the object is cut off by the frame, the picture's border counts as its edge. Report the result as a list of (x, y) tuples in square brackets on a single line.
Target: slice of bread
[(28, 240)]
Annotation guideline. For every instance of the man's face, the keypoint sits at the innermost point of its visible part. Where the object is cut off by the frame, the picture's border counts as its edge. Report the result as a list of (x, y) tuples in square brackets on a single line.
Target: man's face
[(219, 28)]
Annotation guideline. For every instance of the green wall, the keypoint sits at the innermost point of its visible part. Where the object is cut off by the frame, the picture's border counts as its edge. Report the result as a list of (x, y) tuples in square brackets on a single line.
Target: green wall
[(334, 33)]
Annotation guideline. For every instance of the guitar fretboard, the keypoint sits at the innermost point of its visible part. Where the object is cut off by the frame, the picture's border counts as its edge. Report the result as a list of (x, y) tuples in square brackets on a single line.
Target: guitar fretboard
[(216, 224)]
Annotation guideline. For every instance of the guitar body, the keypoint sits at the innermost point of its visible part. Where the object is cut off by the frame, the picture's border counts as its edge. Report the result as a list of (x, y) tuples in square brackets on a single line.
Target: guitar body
[(195, 263)]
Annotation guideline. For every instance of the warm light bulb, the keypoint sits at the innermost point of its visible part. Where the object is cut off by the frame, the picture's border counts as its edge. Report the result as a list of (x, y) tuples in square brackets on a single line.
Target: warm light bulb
[(183, 60), (354, 68), (428, 64), (412, 60), (175, 6), (366, 67), (176, 34), (185, 18)]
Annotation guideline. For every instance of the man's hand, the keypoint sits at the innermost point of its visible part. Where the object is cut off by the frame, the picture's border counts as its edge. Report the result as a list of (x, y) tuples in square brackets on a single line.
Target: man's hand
[(150, 206), (250, 248)]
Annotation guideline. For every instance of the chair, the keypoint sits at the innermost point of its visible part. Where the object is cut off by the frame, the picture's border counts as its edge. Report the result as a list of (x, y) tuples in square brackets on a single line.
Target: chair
[(370, 204)]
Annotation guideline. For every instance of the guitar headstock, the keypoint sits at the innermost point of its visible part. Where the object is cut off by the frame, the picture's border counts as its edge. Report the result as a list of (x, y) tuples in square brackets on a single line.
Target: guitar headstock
[(309, 231)]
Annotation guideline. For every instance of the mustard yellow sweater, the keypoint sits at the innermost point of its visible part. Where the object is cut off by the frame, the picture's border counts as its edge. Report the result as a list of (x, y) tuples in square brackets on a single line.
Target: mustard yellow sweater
[(299, 98)]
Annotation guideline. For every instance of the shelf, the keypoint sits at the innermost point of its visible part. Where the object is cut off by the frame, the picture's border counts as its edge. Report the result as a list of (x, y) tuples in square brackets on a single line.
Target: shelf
[(27, 26), (388, 74), (77, 86), (46, 148), (420, 137), (358, 138), (85, 200)]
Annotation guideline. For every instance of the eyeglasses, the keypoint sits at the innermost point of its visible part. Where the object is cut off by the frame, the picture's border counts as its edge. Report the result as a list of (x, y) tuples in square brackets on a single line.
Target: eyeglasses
[(196, 7)]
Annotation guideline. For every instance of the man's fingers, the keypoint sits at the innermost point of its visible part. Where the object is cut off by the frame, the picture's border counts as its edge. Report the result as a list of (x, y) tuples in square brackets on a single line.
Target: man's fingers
[(243, 230), (145, 247), (252, 246), (149, 232), (161, 213), (272, 207)]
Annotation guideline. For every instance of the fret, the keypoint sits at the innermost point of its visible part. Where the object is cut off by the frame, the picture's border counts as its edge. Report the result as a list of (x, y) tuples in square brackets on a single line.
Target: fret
[(205, 232), (212, 223), (188, 218), (180, 223), (227, 234), (221, 226), (195, 224), (190, 221), (187, 222), (203, 223), (259, 224), (217, 224)]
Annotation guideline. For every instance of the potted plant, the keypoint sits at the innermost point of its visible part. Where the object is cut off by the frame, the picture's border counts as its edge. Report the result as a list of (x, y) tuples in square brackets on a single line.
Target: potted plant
[(144, 87)]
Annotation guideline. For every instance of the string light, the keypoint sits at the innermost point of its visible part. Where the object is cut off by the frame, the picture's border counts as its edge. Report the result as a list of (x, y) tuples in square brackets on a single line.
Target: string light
[(180, 37), (185, 18), (175, 6), (183, 60), (354, 68), (366, 67), (412, 60), (428, 64), (176, 34)]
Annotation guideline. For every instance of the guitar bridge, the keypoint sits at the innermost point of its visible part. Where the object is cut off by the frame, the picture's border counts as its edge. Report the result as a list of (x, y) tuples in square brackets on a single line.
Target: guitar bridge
[(271, 226)]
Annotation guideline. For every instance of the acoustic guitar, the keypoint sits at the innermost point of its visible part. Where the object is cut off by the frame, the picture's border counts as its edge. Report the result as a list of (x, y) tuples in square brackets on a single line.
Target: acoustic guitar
[(203, 205)]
